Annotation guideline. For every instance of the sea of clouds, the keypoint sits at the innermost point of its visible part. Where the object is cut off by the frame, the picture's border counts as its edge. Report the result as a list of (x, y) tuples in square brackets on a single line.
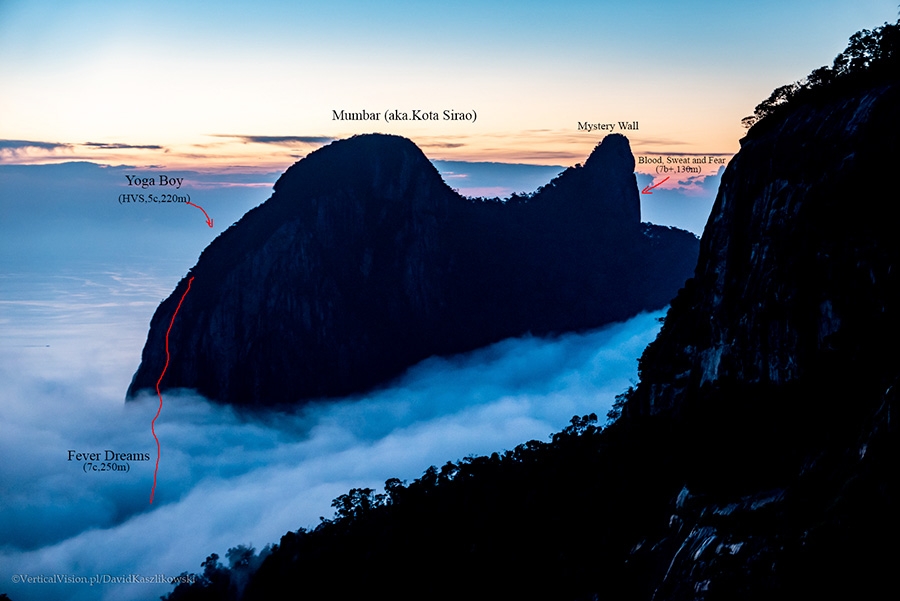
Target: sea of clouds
[(71, 341), (80, 277)]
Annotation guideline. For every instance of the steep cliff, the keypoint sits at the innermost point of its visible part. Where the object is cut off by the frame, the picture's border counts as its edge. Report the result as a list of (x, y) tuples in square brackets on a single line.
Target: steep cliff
[(776, 371), (364, 262), (756, 459)]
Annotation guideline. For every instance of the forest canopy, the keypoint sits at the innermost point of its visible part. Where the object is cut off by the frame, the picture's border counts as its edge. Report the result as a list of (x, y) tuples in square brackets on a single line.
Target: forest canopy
[(870, 58)]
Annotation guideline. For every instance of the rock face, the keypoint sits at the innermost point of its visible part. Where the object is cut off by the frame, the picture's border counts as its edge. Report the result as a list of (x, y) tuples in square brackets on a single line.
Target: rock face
[(776, 371), (756, 459), (364, 262)]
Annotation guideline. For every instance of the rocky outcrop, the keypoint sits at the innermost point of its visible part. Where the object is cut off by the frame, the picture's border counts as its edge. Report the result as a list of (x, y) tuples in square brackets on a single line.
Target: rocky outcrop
[(364, 262), (756, 459), (776, 371)]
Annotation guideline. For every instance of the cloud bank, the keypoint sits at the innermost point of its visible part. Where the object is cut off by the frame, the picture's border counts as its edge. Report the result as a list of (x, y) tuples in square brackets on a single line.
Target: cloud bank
[(70, 347)]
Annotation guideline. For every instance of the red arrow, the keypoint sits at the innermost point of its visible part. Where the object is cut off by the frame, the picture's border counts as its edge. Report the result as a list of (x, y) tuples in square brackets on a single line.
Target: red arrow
[(646, 189), (209, 221)]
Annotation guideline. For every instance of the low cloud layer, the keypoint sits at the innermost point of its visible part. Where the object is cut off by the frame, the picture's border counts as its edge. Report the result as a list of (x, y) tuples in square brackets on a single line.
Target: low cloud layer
[(70, 347), (280, 140), (14, 145)]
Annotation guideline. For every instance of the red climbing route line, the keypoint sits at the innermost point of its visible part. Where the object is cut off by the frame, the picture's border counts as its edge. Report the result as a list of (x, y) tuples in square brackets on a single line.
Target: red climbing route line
[(158, 382)]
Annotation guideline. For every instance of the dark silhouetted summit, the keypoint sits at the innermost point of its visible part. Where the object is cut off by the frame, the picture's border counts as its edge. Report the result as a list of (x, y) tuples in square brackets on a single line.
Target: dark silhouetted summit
[(364, 262), (756, 458)]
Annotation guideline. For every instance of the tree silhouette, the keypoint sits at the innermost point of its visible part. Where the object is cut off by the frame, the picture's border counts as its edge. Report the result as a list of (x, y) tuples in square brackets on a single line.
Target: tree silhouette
[(871, 56)]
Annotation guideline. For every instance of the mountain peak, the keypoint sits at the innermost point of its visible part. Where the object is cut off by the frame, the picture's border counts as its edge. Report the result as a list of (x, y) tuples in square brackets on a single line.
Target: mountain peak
[(604, 189), (365, 262), (612, 152), (382, 164)]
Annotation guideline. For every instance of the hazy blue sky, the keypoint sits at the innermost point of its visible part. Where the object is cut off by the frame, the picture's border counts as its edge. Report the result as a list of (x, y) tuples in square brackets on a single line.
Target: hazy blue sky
[(192, 79)]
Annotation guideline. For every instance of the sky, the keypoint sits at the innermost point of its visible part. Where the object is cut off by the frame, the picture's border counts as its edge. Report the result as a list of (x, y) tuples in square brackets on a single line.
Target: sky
[(255, 85), (229, 94)]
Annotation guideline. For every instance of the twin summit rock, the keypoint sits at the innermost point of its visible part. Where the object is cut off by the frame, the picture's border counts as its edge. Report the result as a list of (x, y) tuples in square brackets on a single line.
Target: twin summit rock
[(364, 262)]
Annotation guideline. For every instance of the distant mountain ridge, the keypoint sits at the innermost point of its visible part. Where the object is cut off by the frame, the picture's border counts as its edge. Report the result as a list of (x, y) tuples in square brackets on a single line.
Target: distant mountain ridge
[(364, 262)]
